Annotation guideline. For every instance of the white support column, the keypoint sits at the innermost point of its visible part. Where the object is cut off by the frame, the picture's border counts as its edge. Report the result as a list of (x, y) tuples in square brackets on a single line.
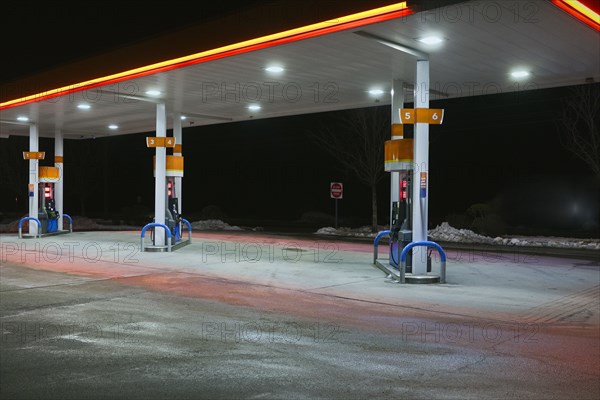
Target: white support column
[(421, 171), (397, 103), (58, 186), (177, 134), (33, 178), (160, 184)]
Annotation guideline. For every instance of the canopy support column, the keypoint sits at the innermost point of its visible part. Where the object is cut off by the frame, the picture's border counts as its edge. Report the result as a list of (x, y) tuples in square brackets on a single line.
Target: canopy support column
[(33, 178), (160, 183), (421, 170), (397, 133), (58, 186), (177, 151)]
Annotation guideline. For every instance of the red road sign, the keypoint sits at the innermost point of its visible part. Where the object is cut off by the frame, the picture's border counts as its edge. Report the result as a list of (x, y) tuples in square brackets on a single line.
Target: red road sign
[(336, 190)]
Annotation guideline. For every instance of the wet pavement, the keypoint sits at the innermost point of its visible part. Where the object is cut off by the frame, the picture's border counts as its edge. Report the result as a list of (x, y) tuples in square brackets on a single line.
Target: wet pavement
[(253, 316)]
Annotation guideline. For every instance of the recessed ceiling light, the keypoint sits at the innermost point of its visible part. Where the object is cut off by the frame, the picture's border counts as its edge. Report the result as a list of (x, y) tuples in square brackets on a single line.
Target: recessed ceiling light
[(113, 127), (183, 117), (84, 106), (519, 74), (431, 40), (275, 69), (22, 118), (153, 92), (254, 107), (376, 92)]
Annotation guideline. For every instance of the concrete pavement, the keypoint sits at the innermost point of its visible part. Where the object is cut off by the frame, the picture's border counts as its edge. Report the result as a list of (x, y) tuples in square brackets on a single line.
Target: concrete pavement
[(248, 315)]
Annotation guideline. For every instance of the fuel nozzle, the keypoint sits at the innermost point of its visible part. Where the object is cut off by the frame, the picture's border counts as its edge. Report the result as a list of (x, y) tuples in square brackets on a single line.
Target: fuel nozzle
[(396, 223)]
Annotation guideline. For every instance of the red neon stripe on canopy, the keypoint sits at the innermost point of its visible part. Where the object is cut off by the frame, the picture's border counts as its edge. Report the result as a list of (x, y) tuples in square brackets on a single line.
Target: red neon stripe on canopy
[(593, 6), (229, 53)]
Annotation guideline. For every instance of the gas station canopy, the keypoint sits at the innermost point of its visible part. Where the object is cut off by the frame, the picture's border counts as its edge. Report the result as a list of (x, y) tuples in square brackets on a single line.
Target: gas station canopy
[(474, 48)]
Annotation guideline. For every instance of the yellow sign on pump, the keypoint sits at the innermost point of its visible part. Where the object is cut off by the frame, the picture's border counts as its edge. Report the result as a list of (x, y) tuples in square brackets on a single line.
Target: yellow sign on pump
[(433, 116), (48, 174), (398, 155), (173, 167)]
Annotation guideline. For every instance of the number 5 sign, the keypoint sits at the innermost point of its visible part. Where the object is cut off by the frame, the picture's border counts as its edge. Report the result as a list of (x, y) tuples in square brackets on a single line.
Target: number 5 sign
[(433, 116), (407, 115)]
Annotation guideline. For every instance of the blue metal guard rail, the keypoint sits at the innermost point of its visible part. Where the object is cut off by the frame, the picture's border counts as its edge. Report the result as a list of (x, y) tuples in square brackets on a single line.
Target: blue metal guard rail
[(39, 225), (189, 226), (152, 225), (425, 244), (376, 243), (67, 216)]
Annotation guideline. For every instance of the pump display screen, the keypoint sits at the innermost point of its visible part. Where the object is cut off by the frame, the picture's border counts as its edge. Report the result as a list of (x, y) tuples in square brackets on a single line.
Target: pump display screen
[(403, 190)]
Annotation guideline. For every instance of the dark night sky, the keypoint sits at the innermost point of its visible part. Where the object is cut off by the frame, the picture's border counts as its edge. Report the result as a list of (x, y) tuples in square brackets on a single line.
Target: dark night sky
[(504, 147), (51, 33)]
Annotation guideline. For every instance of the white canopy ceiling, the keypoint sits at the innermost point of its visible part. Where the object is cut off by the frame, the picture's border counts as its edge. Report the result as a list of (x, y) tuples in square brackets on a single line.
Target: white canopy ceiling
[(483, 42)]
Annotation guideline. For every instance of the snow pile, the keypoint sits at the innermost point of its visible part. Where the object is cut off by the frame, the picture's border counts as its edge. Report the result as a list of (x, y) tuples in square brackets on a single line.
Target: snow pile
[(214, 225), (565, 243), (363, 231), (328, 230), (447, 233)]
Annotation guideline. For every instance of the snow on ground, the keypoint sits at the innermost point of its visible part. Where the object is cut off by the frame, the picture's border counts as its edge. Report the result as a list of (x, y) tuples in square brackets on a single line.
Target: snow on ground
[(447, 233), (441, 233)]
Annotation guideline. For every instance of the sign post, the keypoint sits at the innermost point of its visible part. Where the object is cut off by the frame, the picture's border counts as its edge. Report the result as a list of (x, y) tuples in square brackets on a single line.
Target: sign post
[(336, 192)]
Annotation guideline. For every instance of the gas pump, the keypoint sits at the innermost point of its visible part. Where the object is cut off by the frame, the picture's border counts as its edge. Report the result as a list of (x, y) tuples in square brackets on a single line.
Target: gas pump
[(401, 224), (47, 213), (172, 216), (408, 222), (173, 170), (399, 159)]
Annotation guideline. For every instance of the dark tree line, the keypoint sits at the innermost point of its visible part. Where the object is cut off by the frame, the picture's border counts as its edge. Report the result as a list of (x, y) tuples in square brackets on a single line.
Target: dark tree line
[(356, 140)]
